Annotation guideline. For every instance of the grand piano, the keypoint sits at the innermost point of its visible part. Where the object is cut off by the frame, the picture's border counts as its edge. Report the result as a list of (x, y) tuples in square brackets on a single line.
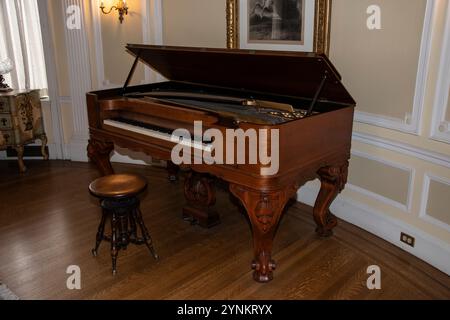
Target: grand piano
[(298, 95)]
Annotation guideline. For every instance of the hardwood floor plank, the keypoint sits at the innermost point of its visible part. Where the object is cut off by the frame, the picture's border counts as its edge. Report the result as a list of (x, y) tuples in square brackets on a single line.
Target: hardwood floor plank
[(48, 221)]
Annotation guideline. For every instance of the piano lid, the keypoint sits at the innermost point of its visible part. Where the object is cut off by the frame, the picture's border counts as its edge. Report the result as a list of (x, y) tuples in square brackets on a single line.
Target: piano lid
[(296, 74)]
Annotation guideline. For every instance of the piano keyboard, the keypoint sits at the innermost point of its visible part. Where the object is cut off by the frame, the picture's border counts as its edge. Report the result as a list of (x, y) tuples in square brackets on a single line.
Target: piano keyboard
[(156, 132)]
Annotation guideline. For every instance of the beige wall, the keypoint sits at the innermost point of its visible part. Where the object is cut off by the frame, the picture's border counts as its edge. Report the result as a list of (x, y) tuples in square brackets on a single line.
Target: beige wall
[(380, 178), (379, 67), (381, 76), (115, 36), (438, 205), (199, 23)]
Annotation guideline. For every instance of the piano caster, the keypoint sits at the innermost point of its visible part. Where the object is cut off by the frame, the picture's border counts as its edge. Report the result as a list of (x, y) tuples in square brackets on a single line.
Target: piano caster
[(263, 273), (326, 230), (205, 218)]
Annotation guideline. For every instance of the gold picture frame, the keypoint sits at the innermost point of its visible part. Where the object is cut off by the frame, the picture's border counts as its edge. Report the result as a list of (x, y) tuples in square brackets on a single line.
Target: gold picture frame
[(322, 23)]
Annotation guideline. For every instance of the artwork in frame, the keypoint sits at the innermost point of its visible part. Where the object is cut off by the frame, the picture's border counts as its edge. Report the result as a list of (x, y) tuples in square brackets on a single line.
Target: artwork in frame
[(289, 25)]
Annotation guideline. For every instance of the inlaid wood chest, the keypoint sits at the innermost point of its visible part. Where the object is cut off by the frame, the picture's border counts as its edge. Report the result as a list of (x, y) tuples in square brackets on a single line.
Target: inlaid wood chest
[(21, 122)]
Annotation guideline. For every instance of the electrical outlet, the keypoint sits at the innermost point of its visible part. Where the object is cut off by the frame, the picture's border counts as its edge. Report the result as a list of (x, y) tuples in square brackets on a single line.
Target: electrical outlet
[(406, 238)]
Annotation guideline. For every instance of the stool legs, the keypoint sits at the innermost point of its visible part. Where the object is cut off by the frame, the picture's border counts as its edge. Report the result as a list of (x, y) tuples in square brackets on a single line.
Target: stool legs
[(133, 229), (100, 233), (125, 217), (145, 234), (114, 249), (124, 238)]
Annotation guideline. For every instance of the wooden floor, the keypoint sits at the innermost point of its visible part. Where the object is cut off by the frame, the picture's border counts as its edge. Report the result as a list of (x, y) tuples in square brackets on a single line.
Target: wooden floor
[(48, 221)]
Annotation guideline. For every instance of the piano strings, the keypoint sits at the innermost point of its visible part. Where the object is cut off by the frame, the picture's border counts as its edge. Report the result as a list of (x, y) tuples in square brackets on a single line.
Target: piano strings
[(227, 106)]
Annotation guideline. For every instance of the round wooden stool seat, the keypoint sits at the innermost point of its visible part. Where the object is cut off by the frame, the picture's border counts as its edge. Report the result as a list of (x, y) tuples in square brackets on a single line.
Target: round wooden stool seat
[(118, 186), (118, 194)]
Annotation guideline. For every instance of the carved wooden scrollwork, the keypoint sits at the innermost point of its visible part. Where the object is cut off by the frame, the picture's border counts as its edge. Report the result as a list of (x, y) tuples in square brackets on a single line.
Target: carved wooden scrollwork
[(200, 194), (199, 190), (25, 108), (264, 210), (99, 153)]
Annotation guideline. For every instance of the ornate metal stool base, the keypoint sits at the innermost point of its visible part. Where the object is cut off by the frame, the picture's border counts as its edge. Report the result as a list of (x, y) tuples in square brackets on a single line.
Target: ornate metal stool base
[(125, 217), (120, 204)]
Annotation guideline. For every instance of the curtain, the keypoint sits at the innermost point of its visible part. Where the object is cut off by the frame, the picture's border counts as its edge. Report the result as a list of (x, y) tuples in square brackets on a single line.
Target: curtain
[(21, 41)]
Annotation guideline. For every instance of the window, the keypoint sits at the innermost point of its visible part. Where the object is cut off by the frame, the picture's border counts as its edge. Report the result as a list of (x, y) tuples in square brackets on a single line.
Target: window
[(21, 41)]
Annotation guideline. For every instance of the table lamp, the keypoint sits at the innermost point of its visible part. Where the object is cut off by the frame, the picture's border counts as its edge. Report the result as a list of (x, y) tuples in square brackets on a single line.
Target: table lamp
[(6, 66)]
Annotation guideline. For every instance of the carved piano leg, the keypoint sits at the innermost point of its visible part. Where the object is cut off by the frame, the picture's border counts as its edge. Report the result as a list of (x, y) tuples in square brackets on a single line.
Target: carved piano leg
[(333, 180), (99, 152), (200, 196), (264, 210), (172, 171)]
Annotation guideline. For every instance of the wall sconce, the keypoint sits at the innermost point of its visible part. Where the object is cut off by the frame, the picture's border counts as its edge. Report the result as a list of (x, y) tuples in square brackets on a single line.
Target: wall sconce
[(121, 7)]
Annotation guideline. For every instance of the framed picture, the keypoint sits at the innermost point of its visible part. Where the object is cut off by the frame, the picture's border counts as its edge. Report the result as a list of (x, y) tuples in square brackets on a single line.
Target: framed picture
[(288, 25)]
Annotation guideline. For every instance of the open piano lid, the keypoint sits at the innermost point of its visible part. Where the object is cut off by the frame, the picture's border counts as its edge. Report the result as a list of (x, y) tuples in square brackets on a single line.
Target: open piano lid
[(297, 74)]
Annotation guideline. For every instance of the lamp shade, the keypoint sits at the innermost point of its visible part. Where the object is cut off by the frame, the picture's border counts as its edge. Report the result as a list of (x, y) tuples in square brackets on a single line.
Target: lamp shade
[(6, 66)]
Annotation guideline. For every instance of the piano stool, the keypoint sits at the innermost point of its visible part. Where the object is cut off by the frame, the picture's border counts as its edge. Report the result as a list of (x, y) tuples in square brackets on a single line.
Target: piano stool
[(118, 194)]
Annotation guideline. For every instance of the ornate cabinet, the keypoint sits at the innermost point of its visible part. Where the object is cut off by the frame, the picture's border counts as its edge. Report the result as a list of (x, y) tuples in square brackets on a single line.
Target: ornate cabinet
[(21, 122)]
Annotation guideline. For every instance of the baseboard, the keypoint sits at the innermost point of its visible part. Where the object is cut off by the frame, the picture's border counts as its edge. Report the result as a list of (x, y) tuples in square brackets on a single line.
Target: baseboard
[(52, 153), (427, 248)]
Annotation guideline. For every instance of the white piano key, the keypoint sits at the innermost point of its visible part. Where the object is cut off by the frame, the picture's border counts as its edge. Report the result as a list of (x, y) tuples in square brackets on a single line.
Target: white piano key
[(159, 135)]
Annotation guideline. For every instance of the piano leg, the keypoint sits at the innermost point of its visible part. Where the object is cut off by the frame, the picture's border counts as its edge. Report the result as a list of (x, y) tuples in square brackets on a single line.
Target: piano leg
[(264, 210), (200, 195), (172, 171), (99, 153), (333, 180)]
